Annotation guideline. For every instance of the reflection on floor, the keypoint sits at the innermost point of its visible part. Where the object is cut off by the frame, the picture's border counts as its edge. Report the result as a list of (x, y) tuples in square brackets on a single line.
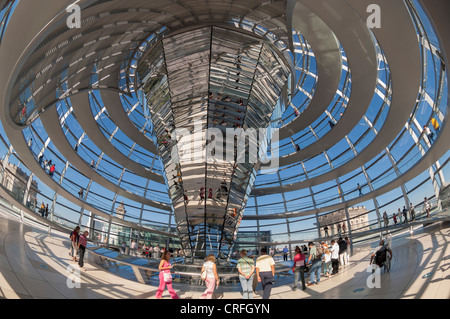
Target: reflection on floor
[(34, 264)]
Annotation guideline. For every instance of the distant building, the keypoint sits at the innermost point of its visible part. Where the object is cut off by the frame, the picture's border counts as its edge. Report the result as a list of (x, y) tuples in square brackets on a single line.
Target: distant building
[(359, 221), (15, 180)]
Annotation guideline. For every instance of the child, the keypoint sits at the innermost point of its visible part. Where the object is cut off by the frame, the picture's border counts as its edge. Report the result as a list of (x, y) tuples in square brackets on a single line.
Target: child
[(327, 263)]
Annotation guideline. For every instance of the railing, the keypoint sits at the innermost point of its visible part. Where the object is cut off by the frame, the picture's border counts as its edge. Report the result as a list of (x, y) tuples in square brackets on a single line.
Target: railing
[(144, 270)]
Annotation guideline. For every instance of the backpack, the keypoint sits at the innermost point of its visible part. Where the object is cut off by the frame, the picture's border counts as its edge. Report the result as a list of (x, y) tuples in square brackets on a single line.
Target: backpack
[(380, 257), (319, 252)]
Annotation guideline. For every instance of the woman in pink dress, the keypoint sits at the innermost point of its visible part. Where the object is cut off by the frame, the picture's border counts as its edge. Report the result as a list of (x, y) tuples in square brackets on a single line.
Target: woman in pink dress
[(165, 267)]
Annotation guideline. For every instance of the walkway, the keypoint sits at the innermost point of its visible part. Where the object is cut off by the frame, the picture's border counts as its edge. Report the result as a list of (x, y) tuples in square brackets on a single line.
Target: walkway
[(35, 265)]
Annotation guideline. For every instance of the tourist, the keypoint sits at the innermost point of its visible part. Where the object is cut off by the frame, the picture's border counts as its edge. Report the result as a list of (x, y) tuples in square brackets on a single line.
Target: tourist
[(386, 219), (156, 252), (342, 251), (52, 170), (405, 214), (435, 124), (326, 231), (334, 257), (429, 134), (412, 213), (133, 248), (82, 243), (359, 189), (315, 259), (265, 272), (81, 193), (327, 269), (426, 207), (212, 279), (74, 243), (348, 250), (165, 277), (42, 209), (299, 268), (246, 269), (285, 253)]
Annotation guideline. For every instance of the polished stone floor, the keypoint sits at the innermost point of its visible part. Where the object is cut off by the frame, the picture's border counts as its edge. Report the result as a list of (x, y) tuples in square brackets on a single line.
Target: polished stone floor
[(36, 264)]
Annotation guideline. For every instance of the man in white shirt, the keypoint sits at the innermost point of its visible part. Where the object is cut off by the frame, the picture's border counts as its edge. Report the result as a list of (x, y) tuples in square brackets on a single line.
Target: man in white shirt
[(334, 257), (156, 252), (265, 272), (133, 248)]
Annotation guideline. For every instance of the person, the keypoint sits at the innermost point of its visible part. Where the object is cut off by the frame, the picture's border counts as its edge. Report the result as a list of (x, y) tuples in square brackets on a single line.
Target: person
[(202, 193), (426, 207), (435, 124), (326, 231), (342, 251), (394, 217), (348, 250), (150, 251), (82, 243), (429, 134), (386, 219), (212, 279), (52, 170), (42, 209), (315, 259), (92, 164), (46, 211), (74, 243), (412, 213), (41, 158), (265, 272), (378, 255), (30, 142), (124, 247), (156, 252), (165, 277), (80, 193), (360, 190), (339, 229), (285, 253), (246, 269), (399, 215), (133, 248), (343, 227), (405, 214), (299, 268), (334, 257), (327, 269)]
